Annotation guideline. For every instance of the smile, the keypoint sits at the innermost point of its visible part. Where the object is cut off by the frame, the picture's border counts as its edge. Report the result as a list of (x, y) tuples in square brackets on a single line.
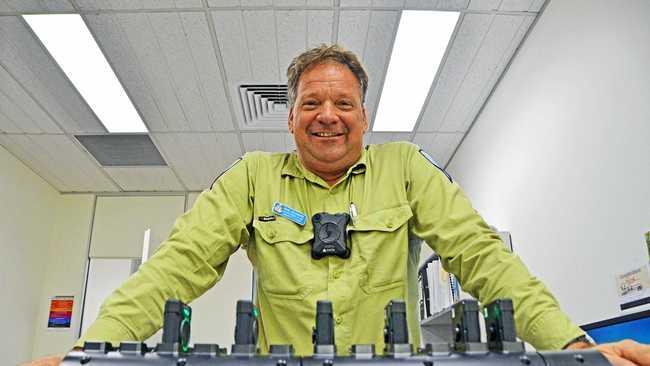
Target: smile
[(326, 134)]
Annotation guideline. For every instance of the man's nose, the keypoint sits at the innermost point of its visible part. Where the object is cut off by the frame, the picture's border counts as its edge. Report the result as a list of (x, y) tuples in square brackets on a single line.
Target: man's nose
[(327, 114)]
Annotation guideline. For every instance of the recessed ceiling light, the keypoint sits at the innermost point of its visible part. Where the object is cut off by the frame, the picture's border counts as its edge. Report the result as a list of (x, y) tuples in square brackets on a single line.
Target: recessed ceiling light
[(420, 44), (69, 41)]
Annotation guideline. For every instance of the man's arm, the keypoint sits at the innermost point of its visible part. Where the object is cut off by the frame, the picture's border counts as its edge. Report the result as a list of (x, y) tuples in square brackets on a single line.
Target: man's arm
[(469, 249), (187, 264)]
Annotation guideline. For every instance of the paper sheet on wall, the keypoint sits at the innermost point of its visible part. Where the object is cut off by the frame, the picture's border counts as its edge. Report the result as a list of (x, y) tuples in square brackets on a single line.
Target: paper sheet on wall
[(60, 312), (634, 287)]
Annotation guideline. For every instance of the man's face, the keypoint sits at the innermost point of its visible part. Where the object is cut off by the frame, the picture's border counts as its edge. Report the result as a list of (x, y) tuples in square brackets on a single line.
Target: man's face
[(328, 119)]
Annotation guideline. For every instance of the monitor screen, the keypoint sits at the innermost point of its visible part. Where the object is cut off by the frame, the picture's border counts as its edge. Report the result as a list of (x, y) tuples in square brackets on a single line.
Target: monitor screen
[(632, 326)]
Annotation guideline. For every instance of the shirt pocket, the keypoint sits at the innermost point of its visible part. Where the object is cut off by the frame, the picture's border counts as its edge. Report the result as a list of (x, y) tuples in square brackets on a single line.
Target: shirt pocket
[(285, 267), (381, 239)]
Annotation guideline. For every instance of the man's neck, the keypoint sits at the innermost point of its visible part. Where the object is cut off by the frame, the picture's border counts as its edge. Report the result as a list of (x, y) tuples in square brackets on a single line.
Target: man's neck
[(331, 177)]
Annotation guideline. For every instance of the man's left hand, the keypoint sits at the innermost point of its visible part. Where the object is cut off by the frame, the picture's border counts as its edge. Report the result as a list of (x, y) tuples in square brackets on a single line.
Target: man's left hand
[(623, 353)]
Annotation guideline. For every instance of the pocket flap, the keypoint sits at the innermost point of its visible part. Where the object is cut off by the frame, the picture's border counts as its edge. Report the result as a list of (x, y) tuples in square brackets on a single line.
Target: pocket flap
[(389, 219), (282, 230)]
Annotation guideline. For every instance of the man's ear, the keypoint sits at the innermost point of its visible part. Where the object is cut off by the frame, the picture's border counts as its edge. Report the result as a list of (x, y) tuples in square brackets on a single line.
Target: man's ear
[(365, 119), (290, 121)]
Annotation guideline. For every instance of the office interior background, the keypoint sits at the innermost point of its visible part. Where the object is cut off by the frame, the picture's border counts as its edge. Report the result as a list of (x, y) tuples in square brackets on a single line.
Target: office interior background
[(540, 110)]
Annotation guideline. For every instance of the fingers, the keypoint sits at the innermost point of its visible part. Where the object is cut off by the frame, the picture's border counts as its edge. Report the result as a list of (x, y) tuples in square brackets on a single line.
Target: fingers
[(46, 361), (615, 360), (635, 353)]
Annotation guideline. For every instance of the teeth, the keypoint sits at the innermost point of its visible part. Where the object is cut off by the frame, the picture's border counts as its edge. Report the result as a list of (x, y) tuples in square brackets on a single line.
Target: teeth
[(326, 134)]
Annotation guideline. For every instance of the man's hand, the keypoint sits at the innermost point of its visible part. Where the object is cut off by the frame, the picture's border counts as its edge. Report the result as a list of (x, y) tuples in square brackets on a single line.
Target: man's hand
[(623, 353), (626, 353), (46, 361)]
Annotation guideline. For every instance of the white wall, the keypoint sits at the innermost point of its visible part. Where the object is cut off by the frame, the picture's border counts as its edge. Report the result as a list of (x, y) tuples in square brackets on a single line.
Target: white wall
[(560, 156), (120, 223), (26, 219), (64, 271), (213, 313)]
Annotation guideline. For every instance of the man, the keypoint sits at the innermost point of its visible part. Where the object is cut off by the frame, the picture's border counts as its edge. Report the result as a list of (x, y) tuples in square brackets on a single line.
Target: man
[(395, 195)]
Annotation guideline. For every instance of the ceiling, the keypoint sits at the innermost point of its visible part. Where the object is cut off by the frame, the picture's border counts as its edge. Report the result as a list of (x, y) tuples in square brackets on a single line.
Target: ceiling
[(182, 62)]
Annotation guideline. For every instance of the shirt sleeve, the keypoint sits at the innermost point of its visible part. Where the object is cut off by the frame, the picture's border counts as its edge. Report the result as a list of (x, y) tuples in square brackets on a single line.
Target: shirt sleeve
[(475, 254), (187, 264)]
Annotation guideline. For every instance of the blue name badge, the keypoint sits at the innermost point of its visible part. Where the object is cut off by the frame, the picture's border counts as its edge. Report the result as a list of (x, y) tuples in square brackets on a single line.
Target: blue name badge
[(289, 213)]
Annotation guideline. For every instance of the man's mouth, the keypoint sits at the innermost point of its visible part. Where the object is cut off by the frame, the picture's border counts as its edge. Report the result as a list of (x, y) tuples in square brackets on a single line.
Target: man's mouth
[(326, 134)]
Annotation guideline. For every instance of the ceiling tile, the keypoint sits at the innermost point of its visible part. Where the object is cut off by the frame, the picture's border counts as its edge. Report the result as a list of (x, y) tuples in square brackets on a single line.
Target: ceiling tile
[(497, 48), (436, 4), (379, 44), (469, 37), (269, 141), (319, 2), (145, 179), (223, 3), (137, 4), (289, 2), (185, 41), (256, 2), (263, 45), (60, 161), (167, 63), (355, 3), (452, 4), (353, 29), (439, 145), (198, 158), (488, 5), (205, 58), (396, 4), (33, 6), (536, 5), (516, 5), (233, 45), (292, 30), (319, 27), (23, 56), (142, 67), (177, 65), (19, 112)]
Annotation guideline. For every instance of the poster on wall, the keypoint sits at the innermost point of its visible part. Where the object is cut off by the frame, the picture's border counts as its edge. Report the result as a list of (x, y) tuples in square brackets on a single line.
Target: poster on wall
[(634, 287), (60, 315)]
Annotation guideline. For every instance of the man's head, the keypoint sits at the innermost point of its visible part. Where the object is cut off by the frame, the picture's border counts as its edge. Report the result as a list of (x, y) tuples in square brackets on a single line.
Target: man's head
[(326, 89)]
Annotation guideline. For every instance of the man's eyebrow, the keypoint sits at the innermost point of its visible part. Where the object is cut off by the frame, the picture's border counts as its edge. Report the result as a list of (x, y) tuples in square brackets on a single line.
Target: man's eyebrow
[(335, 91)]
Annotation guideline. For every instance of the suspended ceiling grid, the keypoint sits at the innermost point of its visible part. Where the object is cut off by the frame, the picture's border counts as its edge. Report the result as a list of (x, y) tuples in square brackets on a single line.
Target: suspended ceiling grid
[(181, 63)]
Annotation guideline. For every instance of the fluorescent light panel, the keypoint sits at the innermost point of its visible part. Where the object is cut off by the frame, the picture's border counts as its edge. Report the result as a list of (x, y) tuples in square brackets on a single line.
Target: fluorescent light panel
[(421, 40), (69, 41)]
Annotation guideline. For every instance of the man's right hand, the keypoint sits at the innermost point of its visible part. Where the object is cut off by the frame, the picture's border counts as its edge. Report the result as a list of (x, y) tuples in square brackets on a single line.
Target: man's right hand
[(46, 361)]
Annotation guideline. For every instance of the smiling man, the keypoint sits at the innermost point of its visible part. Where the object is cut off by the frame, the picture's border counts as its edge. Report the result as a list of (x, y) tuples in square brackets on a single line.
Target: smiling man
[(328, 119), (391, 197)]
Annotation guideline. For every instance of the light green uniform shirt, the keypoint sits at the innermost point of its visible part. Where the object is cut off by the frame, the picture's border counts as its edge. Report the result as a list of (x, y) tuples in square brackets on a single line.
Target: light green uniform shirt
[(401, 198)]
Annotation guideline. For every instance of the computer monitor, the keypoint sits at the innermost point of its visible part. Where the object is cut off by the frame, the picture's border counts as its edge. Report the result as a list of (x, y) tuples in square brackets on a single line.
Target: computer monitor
[(634, 326)]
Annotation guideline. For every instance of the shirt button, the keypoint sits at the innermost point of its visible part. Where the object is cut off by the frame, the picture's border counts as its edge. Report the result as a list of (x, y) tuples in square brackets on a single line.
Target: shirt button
[(337, 275), (339, 320), (272, 234), (389, 224)]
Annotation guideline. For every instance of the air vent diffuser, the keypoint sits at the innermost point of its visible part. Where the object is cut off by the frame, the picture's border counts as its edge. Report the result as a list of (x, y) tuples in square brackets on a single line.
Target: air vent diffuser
[(122, 150), (264, 104)]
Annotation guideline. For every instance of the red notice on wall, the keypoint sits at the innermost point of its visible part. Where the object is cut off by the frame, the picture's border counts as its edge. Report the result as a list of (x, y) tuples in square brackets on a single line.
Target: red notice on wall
[(60, 312)]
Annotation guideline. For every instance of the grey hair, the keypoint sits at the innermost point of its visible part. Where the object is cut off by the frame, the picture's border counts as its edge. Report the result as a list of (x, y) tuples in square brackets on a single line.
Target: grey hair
[(322, 54)]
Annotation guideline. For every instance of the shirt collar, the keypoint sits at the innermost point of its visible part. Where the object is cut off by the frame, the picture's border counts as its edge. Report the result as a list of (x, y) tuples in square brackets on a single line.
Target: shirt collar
[(294, 168)]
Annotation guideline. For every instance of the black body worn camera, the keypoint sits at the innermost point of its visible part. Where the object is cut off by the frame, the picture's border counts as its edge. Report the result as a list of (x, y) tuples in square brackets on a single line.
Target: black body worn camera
[(330, 235)]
